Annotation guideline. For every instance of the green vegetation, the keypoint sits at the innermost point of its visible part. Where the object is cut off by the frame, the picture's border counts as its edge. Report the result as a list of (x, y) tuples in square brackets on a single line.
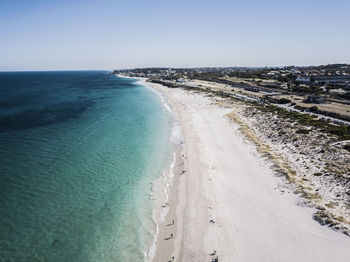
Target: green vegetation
[(347, 147), (345, 96), (301, 108), (257, 73), (342, 132), (284, 101), (303, 131), (313, 109), (307, 89), (333, 114), (168, 84)]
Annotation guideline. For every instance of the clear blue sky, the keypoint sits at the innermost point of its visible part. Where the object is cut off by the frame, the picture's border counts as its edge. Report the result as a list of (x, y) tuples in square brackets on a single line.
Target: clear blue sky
[(106, 34)]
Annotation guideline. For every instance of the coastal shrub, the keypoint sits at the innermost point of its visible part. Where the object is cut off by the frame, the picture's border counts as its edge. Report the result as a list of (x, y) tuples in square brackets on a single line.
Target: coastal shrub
[(284, 101), (341, 131), (301, 108), (313, 109), (347, 147), (322, 218), (302, 131), (334, 115)]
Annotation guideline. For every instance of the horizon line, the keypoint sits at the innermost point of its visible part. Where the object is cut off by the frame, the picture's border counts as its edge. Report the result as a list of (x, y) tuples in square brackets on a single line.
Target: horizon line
[(191, 67)]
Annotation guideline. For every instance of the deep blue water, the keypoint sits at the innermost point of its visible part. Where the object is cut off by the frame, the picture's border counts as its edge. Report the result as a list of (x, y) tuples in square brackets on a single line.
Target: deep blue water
[(78, 151)]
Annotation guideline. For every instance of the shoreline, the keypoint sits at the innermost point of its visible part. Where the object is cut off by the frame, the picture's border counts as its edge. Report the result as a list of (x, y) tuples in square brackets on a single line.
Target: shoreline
[(166, 202), (226, 189), (165, 187)]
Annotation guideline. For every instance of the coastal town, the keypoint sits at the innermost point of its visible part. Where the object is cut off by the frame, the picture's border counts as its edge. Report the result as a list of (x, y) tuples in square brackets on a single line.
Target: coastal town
[(324, 90), (312, 79)]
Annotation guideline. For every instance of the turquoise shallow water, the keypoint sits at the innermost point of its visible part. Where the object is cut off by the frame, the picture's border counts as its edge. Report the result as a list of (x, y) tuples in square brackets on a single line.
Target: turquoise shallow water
[(78, 151)]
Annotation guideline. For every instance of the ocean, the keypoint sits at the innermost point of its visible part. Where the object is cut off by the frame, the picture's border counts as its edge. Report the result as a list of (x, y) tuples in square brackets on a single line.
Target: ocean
[(78, 154)]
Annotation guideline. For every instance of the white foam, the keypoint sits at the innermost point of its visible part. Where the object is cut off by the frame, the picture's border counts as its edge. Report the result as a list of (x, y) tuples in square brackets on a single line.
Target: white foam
[(165, 181), (163, 184)]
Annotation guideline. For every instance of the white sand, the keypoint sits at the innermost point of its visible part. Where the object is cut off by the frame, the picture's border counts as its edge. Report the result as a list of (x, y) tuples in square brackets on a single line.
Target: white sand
[(228, 182)]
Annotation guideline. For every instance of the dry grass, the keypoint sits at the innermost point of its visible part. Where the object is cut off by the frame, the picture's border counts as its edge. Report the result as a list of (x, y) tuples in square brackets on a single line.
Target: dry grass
[(325, 216)]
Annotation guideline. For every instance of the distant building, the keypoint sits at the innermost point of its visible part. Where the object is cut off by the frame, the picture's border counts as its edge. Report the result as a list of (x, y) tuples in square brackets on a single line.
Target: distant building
[(294, 71), (315, 100), (273, 74), (304, 80), (332, 79)]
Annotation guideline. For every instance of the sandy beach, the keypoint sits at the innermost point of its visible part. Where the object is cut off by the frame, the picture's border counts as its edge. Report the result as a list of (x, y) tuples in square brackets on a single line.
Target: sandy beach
[(226, 201)]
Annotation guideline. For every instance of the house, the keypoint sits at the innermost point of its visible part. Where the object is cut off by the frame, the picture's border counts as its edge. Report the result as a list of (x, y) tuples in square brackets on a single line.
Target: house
[(304, 80), (315, 99), (273, 74), (332, 79)]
